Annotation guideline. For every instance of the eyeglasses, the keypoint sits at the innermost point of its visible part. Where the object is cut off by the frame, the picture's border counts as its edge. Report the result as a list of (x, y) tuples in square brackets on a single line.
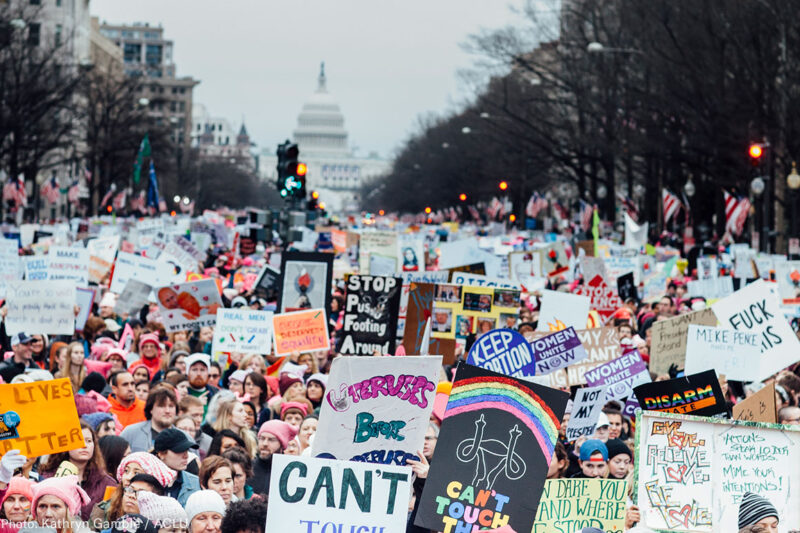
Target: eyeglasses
[(37, 341), (135, 492)]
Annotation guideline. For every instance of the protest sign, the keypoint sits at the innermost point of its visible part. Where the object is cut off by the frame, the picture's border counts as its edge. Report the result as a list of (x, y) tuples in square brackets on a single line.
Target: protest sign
[(101, 256), (268, 281), (503, 351), (620, 375), (692, 472), (787, 274), (760, 407), (83, 299), (698, 394), (306, 279), (460, 311), (35, 267), (707, 268), (411, 253), (602, 345), (135, 296), (573, 504), (755, 308), (70, 264), (376, 409), (557, 350), (588, 404), (39, 418), (603, 298), (300, 331), (242, 330), (554, 259), (9, 263), (592, 266), (308, 495), (379, 245), (668, 340), (438, 276), (493, 452), (131, 266), (561, 310), (370, 315), (41, 307), (711, 288), (731, 353), (189, 305), (454, 254), (478, 280), (420, 304), (626, 288)]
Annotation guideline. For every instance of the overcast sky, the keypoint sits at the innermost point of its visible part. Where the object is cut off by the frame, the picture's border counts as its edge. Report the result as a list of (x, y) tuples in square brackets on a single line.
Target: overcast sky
[(387, 61)]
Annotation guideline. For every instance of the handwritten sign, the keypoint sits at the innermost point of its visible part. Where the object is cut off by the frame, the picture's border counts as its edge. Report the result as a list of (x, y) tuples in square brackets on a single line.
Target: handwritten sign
[(301, 331), (101, 256), (731, 353), (370, 315), (135, 296), (760, 407), (589, 402), (35, 267), (316, 495), (243, 330), (692, 472), (557, 350), (383, 425), (70, 264), (9, 263), (504, 351), (41, 307), (571, 504), (131, 266), (756, 309), (620, 375), (479, 280), (39, 418), (668, 340)]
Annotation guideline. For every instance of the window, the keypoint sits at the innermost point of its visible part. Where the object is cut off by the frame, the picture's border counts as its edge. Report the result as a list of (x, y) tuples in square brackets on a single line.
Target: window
[(132, 53), (58, 3), (36, 2), (59, 31), (34, 31), (153, 54)]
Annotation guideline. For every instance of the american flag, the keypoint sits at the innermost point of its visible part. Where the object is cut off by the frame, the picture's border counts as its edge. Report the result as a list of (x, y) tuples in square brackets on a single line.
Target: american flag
[(21, 194), (87, 173), (560, 211), (587, 210), (474, 213), (73, 195), (137, 202), (10, 191), (50, 190), (495, 208), (109, 194), (629, 206), (736, 212), (535, 205), (119, 199), (671, 204)]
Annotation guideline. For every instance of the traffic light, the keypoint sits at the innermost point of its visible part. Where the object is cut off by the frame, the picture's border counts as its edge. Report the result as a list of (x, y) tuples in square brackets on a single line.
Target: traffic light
[(503, 185), (313, 202), (291, 172), (756, 153)]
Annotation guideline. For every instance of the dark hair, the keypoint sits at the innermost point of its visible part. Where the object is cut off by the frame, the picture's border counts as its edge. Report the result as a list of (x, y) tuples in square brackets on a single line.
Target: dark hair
[(259, 381), (95, 468), (113, 449), (157, 397), (216, 443), (560, 452), (245, 515), (112, 379), (158, 488), (211, 464), (142, 382), (175, 378), (216, 365), (240, 457)]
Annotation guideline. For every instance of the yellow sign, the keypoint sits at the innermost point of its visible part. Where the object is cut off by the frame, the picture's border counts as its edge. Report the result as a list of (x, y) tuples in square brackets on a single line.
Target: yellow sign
[(301, 331), (39, 418), (459, 310), (572, 504)]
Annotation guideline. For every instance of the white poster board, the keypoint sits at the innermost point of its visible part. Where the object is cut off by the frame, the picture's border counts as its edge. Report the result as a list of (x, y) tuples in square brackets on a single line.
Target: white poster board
[(564, 308), (138, 267), (733, 354), (243, 330), (41, 307), (71, 264), (589, 402), (9, 263), (191, 305)]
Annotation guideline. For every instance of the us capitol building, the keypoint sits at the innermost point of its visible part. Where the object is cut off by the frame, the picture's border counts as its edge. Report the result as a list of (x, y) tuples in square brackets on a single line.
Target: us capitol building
[(333, 170)]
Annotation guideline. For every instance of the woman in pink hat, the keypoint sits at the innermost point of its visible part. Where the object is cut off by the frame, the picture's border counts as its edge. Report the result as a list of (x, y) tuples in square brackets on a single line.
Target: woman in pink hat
[(57, 504), (15, 505)]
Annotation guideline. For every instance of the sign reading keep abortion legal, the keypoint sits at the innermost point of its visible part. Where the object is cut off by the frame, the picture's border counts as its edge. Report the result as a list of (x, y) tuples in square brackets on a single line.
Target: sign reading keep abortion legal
[(503, 351)]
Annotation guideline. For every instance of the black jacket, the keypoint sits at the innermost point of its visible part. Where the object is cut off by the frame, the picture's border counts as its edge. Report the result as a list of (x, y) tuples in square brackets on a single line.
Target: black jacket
[(262, 469)]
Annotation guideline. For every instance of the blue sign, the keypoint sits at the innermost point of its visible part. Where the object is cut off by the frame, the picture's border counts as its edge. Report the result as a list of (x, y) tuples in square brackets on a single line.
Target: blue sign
[(503, 351)]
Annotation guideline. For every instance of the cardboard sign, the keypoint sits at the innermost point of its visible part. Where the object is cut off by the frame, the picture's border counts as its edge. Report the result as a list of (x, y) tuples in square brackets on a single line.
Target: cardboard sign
[(697, 394), (601, 345), (603, 298), (191, 305), (567, 503), (41, 307), (83, 299), (376, 409), (760, 407), (620, 375), (668, 340), (588, 404), (10, 269), (557, 350), (732, 353), (626, 288), (420, 303), (71, 264), (135, 296), (692, 472), (306, 280), (130, 266), (301, 331), (308, 494), (756, 309), (370, 315), (102, 251), (243, 331), (39, 418), (503, 351), (495, 446), (560, 310)]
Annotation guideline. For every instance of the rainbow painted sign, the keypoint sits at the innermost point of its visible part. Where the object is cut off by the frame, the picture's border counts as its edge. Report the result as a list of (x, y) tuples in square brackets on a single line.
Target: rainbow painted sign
[(493, 451)]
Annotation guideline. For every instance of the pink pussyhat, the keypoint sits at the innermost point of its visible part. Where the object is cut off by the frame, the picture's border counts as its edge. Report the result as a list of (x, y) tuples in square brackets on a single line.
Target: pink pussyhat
[(65, 489)]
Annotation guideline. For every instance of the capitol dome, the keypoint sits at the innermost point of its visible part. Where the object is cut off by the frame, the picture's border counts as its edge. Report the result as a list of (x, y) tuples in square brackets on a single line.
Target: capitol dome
[(320, 125)]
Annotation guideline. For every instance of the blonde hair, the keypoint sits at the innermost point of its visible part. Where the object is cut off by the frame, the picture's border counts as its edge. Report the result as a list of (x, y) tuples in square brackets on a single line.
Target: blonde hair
[(295, 357), (247, 359), (223, 421), (69, 370)]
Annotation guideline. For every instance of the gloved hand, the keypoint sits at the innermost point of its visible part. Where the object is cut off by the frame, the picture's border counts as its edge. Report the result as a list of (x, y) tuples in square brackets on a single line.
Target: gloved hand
[(10, 462)]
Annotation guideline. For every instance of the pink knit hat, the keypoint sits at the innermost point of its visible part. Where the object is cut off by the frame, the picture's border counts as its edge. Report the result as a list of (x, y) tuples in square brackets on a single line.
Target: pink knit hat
[(64, 488), (19, 485), (149, 337), (151, 465), (285, 406), (282, 431)]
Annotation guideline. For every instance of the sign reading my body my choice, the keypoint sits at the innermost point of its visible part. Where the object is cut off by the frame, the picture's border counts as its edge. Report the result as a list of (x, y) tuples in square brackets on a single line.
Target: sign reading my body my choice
[(503, 351)]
